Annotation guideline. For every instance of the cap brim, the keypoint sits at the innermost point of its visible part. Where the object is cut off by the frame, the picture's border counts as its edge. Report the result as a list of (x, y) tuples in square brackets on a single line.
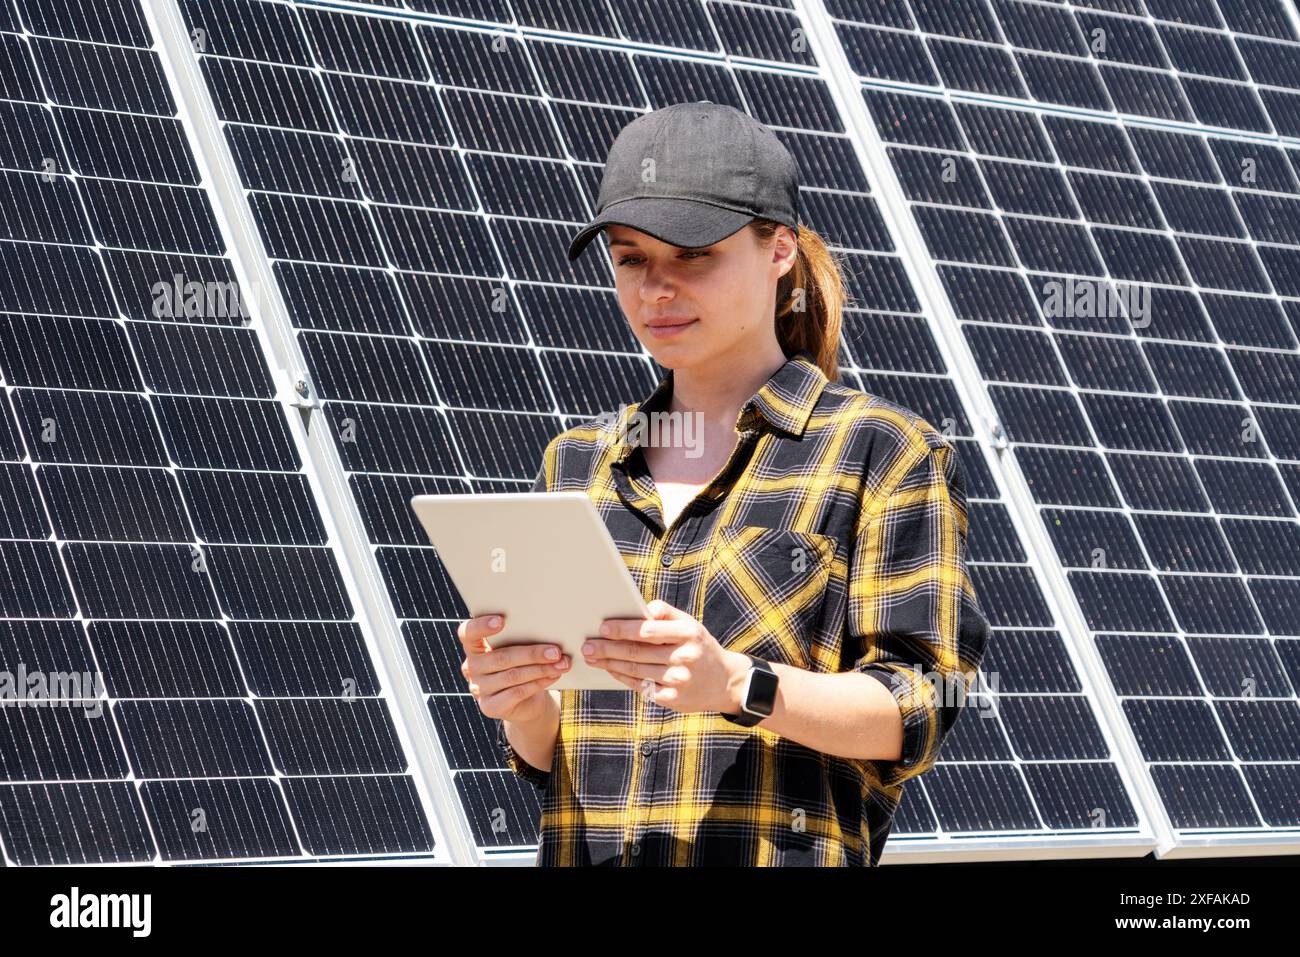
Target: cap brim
[(678, 222)]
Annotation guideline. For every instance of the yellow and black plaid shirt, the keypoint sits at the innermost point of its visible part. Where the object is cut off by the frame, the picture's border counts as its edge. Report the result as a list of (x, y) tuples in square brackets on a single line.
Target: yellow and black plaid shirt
[(834, 539)]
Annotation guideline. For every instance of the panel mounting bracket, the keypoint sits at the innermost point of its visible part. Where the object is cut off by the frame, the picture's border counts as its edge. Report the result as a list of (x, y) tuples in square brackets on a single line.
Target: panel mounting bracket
[(994, 434), (297, 388)]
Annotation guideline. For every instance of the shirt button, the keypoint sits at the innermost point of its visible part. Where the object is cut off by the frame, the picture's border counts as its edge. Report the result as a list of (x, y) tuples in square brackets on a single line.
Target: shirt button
[(666, 560), (646, 748), (636, 850)]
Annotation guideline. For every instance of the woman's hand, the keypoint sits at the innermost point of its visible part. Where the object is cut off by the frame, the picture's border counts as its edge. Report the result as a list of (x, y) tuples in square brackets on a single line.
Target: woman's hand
[(691, 671), (510, 683)]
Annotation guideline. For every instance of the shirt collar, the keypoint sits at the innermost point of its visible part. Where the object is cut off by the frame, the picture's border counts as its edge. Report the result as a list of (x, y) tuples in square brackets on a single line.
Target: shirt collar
[(784, 402)]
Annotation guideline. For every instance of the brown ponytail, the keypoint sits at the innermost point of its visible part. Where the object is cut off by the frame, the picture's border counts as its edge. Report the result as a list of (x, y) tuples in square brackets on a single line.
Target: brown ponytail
[(812, 320)]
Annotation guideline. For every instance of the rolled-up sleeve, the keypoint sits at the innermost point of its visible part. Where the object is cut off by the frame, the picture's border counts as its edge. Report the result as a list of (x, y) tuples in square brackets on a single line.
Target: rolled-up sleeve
[(534, 776), (914, 622)]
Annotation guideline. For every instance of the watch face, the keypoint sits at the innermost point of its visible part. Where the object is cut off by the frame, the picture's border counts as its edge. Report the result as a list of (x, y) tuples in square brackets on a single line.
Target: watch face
[(761, 692)]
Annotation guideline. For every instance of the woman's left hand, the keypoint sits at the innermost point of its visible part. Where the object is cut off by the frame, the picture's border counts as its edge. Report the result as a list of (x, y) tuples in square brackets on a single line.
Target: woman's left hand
[(691, 671)]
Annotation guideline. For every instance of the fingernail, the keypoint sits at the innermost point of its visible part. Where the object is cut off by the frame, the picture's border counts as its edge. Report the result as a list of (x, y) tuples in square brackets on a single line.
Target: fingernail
[(604, 628), (552, 652), (588, 648), (494, 621)]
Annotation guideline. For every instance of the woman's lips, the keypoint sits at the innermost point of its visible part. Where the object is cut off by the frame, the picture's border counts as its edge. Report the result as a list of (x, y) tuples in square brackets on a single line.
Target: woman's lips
[(666, 332)]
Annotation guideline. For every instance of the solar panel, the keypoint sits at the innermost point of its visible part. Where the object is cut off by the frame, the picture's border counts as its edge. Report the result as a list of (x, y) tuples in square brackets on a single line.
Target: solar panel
[(1068, 232), (414, 181), (187, 678), (1108, 205)]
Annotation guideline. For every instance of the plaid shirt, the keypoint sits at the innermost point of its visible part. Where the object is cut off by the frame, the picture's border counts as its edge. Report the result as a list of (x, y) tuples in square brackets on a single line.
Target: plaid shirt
[(834, 539)]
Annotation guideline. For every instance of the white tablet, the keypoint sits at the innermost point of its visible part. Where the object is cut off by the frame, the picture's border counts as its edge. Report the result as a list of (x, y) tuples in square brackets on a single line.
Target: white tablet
[(544, 560)]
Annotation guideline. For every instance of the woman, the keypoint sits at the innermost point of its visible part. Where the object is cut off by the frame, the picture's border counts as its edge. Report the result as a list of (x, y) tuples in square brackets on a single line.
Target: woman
[(801, 544)]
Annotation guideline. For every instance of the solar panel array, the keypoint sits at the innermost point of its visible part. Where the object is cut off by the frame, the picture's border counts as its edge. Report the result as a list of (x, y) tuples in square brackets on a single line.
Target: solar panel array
[(1128, 291), (415, 182), (413, 171), (185, 677)]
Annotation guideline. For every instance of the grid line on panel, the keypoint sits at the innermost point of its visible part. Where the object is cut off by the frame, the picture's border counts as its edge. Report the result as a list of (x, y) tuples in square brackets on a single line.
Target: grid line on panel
[(117, 723), (320, 450), (506, 281), (720, 23), (1024, 270), (1132, 335), (450, 730), (1130, 76)]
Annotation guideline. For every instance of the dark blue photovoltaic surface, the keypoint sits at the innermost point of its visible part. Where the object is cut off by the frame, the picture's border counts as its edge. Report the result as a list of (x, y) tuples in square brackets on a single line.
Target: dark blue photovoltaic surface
[(1159, 434), (1108, 194), (159, 533)]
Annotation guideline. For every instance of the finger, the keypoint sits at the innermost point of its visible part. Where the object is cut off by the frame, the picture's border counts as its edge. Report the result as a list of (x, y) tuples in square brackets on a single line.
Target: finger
[(515, 656), (633, 683), (666, 697), (676, 622), (656, 632), (660, 610), (493, 681), (473, 632), (490, 684), (635, 671), (508, 698), (628, 651)]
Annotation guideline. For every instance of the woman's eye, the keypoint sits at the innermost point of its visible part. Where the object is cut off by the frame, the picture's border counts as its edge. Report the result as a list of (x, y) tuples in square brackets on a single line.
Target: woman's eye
[(629, 260)]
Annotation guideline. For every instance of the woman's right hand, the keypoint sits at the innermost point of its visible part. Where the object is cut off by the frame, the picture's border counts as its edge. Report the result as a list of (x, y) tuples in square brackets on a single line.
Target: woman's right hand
[(509, 683)]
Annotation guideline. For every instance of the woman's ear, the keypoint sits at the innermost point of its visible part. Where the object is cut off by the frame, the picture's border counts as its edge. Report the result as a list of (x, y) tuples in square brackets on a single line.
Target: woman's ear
[(786, 249)]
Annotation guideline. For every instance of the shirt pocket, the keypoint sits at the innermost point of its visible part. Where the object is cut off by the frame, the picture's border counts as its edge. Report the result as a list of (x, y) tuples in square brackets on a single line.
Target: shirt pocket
[(764, 589)]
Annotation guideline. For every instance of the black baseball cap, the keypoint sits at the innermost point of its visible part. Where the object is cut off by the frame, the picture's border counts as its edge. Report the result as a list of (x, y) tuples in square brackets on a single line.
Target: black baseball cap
[(715, 168)]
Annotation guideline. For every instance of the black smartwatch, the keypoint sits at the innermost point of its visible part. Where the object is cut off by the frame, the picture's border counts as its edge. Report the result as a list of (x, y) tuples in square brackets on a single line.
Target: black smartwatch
[(759, 697)]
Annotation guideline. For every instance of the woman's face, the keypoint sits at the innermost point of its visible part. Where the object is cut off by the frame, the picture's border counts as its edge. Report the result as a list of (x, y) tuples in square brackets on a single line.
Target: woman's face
[(719, 297)]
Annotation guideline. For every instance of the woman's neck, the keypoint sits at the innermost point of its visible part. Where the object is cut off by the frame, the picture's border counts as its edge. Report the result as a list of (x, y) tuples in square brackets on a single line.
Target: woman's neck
[(717, 390)]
